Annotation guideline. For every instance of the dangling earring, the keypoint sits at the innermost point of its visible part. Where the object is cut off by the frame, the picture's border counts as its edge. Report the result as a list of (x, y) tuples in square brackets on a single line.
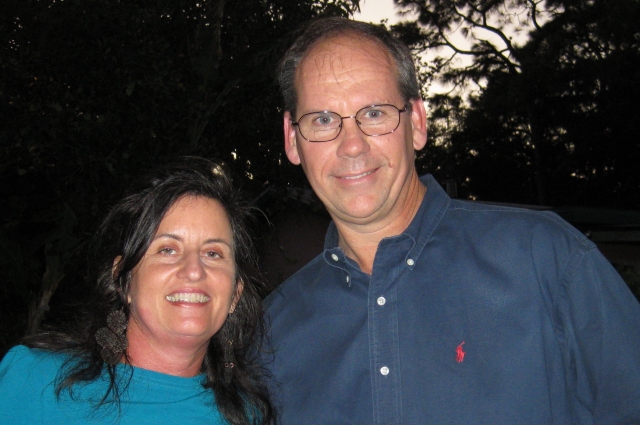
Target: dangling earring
[(112, 338)]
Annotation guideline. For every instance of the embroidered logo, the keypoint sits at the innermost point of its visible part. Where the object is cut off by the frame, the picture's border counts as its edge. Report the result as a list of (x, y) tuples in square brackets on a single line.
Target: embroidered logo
[(459, 353)]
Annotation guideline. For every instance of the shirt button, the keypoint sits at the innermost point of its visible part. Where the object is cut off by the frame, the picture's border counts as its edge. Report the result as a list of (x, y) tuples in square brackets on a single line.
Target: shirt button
[(384, 370), (348, 279), (334, 257), (381, 301), (410, 262)]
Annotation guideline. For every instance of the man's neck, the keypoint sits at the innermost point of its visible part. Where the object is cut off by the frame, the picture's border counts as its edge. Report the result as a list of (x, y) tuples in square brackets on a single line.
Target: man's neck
[(360, 242)]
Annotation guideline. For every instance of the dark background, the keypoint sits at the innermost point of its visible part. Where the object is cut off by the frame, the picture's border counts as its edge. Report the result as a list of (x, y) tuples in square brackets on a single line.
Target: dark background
[(92, 93)]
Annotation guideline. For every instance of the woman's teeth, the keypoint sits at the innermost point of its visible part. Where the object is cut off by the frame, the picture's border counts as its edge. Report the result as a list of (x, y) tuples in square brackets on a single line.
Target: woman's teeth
[(187, 298)]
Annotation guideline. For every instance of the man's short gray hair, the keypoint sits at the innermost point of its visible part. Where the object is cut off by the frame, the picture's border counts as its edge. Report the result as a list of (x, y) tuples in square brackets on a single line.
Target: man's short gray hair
[(327, 28)]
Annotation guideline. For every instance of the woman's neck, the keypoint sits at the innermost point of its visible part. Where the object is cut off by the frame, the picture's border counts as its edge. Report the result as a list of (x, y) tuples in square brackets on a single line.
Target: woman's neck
[(179, 358)]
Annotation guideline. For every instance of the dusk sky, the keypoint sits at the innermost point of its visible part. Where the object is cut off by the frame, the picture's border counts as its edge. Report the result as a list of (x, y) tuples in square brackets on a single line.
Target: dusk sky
[(376, 10)]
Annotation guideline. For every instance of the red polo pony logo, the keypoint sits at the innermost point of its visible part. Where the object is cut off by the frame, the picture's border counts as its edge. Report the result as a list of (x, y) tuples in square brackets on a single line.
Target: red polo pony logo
[(459, 353)]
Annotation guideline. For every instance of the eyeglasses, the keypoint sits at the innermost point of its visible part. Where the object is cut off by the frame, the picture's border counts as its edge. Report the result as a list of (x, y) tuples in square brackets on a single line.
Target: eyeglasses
[(373, 120)]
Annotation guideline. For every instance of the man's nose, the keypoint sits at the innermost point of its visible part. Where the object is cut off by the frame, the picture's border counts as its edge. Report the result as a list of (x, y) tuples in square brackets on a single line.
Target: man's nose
[(353, 142)]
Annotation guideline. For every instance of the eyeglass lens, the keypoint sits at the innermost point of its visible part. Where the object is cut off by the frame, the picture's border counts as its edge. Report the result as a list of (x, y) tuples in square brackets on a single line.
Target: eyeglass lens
[(374, 120)]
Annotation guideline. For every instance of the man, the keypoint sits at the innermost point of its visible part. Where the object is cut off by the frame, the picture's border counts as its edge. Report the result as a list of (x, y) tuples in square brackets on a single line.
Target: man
[(423, 309)]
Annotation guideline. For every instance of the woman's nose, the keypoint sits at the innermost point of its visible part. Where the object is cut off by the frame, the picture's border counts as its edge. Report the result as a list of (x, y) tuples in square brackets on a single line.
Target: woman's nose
[(191, 267)]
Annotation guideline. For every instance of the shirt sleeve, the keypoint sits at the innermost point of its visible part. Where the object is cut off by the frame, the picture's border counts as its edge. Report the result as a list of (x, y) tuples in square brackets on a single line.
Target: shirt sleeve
[(22, 387), (601, 330)]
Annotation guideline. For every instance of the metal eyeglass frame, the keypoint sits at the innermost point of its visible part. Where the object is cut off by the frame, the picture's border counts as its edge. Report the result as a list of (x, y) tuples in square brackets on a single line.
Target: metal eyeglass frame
[(404, 109)]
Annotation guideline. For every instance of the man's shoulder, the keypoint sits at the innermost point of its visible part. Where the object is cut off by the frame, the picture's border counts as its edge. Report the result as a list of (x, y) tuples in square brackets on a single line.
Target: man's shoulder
[(539, 224)]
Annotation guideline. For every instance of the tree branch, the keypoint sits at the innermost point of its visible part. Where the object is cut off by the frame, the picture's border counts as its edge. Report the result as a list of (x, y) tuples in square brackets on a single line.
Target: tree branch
[(514, 67), (534, 12)]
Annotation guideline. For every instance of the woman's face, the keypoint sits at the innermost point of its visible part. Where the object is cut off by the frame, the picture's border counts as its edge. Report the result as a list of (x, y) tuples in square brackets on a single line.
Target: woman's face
[(184, 287)]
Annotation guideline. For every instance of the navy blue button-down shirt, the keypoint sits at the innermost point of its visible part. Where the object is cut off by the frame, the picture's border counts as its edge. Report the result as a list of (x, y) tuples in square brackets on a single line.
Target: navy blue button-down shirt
[(475, 314)]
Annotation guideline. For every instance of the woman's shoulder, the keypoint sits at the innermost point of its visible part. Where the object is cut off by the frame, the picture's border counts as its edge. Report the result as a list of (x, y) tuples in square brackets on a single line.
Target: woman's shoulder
[(28, 359), (27, 380), (29, 368)]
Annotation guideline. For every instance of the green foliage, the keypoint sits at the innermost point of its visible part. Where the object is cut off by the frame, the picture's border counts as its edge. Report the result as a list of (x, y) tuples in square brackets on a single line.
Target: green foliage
[(94, 92)]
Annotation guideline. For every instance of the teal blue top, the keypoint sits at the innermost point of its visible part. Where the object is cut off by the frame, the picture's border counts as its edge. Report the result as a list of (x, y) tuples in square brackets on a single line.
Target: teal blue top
[(27, 396)]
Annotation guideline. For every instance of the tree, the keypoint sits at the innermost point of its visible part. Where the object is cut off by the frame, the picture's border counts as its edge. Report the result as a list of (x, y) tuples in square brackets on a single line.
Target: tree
[(553, 118), (94, 92)]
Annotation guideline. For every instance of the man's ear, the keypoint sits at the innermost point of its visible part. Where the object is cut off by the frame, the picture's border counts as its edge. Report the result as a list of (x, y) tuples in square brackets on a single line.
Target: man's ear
[(290, 145), (418, 123), (236, 296)]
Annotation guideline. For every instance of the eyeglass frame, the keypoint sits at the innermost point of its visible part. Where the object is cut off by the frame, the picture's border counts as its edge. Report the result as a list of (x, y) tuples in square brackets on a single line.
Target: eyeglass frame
[(404, 109)]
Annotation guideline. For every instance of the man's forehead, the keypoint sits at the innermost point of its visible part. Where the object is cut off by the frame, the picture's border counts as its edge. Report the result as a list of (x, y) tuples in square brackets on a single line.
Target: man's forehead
[(335, 58), (346, 49)]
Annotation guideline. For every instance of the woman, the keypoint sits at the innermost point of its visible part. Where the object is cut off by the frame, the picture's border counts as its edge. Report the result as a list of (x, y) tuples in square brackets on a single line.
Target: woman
[(173, 330)]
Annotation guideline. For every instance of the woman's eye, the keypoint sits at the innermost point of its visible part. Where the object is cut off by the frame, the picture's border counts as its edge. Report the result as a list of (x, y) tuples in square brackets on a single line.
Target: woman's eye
[(167, 251), (213, 254)]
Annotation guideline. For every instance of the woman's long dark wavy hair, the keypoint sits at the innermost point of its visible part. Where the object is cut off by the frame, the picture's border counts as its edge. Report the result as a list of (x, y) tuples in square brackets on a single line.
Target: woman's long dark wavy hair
[(127, 231)]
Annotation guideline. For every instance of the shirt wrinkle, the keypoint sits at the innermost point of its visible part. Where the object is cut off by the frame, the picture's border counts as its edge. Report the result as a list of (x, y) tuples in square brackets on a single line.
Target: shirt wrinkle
[(485, 325)]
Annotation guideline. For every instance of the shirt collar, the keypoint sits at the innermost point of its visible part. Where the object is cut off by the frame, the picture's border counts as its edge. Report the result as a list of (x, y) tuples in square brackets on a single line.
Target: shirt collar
[(432, 209)]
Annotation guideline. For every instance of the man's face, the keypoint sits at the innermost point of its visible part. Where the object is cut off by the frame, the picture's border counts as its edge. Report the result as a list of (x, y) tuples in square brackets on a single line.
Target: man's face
[(361, 179)]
